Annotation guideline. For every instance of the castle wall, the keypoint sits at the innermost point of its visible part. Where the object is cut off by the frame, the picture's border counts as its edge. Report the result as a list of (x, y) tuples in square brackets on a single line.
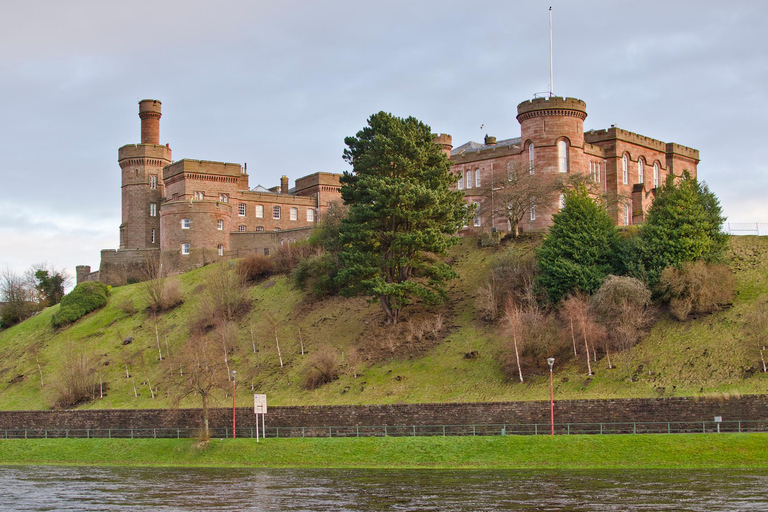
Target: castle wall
[(125, 266), (266, 243)]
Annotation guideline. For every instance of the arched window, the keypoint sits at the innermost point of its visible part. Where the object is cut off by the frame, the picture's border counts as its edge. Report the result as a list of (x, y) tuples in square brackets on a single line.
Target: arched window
[(219, 224), (511, 171), (562, 201), (655, 175), (221, 250), (627, 218), (461, 183), (477, 177), (259, 211), (530, 158), (469, 179), (476, 221), (533, 208), (562, 156), (625, 169), (640, 170)]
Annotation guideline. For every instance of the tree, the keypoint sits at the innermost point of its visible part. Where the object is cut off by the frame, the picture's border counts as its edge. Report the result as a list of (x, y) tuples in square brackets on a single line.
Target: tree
[(17, 298), (49, 282), (581, 325), (578, 252), (509, 193), (684, 223), (402, 212), (755, 327)]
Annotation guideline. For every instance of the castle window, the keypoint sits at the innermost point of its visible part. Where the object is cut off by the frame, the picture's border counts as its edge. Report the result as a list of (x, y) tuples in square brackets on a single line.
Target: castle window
[(241, 228), (224, 198), (477, 177), (294, 214), (185, 223), (152, 181), (530, 158), (184, 248), (276, 212), (153, 236), (221, 250), (511, 171), (153, 209), (469, 179), (598, 172), (625, 169), (533, 208), (461, 183), (640, 170), (562, 201), (220, 224), (259, 211), (241, 209), (199, 196), (266, 251), (259, 229), (627, 218), (276, 229), (310, 215), (476, 221), (655, 175), (562, 156)]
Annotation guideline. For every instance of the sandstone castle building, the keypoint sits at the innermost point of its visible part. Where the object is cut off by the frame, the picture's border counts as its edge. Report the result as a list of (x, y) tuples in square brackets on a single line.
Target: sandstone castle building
[(191, 212)]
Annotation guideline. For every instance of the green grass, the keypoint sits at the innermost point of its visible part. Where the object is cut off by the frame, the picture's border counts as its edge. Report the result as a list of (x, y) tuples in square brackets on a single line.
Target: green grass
[(510, 452), (703, 357)]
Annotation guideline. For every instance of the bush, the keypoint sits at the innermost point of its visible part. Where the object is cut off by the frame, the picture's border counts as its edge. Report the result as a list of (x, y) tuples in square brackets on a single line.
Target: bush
[(513, 276), (171, 295), (696, 287), (322, 368), (287, 256), (86, 297), (317, 274), (254, 268), (76, 381), (128, 307), (492, 239)]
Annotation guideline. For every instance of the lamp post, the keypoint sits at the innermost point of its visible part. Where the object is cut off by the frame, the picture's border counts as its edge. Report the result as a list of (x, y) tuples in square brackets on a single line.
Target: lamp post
[(551, 362), (233, 404)]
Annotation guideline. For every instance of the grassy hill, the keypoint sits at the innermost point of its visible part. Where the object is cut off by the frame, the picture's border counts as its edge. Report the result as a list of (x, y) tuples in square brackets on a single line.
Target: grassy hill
[(451, 357)]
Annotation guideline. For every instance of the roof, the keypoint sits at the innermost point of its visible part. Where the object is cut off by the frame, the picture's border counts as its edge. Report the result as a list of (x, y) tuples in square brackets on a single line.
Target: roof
[(472, 146), (259, 188)]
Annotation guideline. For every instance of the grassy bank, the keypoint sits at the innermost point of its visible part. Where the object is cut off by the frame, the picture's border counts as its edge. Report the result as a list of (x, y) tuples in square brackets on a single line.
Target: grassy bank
[(510, 452)]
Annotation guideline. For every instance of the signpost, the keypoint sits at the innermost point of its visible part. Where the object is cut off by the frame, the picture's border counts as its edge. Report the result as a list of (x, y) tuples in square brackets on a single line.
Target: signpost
[(718, 420), (260, 407)]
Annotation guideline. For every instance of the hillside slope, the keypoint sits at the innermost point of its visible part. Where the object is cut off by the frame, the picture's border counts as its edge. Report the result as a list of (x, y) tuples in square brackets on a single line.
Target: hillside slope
[(453, 357)]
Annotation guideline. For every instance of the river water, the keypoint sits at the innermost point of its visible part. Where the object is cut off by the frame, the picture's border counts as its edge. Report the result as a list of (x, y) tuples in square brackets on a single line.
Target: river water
[(38, 488)]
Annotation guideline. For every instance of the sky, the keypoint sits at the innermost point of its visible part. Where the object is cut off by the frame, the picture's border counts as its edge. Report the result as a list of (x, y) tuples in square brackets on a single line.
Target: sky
[(279, 84)]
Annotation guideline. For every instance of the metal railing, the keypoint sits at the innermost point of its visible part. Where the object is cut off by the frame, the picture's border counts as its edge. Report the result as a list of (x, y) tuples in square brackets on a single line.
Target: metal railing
[(636, 427), (746, 228)]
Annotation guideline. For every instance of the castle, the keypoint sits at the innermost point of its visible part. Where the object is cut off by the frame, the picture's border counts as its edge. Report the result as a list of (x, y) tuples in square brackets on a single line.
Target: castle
[(191, 212)]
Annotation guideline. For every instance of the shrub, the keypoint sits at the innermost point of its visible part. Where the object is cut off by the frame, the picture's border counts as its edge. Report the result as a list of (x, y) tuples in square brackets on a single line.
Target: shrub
[(76, 381), (317, 274), (128, 307), (492, 239), (254, 267), (322, 368), (171, 295), (287, 256), (513, 276), (86, 297), (696, 287)]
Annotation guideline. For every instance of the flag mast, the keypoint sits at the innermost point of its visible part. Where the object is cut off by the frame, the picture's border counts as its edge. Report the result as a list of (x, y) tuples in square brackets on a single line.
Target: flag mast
[(551, 78)]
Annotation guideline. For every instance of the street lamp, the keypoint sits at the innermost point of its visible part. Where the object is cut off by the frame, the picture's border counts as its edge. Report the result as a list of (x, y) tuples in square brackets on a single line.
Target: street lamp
[(551, 362), (233, 403)]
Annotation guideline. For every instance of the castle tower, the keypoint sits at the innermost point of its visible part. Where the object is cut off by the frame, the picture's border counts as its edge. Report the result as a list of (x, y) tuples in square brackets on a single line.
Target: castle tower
[(142, 181), (445, 142)]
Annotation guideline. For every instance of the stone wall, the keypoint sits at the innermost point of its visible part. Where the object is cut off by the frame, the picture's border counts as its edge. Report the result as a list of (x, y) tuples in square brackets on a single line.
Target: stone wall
[(747, 408)]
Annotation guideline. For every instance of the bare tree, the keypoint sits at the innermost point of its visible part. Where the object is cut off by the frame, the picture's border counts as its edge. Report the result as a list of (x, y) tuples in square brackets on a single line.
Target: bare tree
[(225, 296), (514, 317), (75, 381), (755, 327), (18, 298)]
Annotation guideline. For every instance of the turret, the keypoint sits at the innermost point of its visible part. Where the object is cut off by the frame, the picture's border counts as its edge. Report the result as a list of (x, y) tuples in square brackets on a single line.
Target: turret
[(545, 120), (445, 142), (149, 112)]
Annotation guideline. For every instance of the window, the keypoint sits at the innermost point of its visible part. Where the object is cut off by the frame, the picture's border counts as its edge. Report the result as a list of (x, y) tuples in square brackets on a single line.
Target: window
[(533, 208), (640, 170), (259, 229), (153, 236), (562, 156), (511, 171), (266, 251), (276, 212), (220, 224), (655, 175), (241, 209), (259, 211), (152, 181), (461, 183), (282, 242), (477, 177), (562, 201), (310, 215), (224, 198), (598, 172), (153, 209), (276, 229), (627, 218), (469, 179), (185, 223), (624, 169), (241, 228), (294, 214), (199, 196), (221, 250), (184, 248), (530, 158), (476, 221)]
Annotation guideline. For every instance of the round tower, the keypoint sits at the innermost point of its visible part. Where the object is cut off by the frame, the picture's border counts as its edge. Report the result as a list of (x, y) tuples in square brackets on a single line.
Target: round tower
[(544, 121), (445, 142), (150, 114)]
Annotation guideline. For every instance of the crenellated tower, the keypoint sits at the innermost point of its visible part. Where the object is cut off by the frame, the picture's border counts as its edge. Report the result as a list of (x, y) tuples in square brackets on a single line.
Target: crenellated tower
[(142, 181)]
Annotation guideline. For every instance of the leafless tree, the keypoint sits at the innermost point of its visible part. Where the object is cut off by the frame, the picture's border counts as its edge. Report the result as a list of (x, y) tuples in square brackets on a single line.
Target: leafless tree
[(18, 298), (515, 324), (755, 327), (75, 381)]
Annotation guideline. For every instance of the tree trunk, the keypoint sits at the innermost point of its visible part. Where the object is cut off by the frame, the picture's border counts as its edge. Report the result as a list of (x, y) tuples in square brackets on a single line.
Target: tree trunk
[(517, 356), (157, 336), (608, 357), (279, 355), (573, 338), (762, 358), (586, 346), (384, 301), (253, 339), (40, 369)]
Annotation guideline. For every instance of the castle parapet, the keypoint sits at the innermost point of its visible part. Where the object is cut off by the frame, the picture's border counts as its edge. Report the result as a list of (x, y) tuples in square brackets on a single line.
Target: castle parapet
[(551, 106)]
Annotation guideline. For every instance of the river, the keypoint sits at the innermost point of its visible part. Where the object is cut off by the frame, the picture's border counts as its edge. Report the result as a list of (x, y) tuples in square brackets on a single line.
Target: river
[(41, 488)]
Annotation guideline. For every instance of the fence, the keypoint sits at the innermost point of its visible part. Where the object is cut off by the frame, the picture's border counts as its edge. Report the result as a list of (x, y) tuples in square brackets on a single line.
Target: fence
[(640, 427), (745, 228)]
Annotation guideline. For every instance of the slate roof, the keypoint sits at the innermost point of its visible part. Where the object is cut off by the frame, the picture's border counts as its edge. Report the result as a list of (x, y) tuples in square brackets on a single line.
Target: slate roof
[(472, 146)]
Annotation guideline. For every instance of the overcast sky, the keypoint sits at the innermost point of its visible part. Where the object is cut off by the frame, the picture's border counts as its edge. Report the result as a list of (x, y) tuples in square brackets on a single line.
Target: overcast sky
[(279, 84)]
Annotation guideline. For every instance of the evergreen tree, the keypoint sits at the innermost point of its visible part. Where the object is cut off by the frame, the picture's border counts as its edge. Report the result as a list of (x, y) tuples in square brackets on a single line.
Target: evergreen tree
[(579, 251), (684, 223), (402, 212)]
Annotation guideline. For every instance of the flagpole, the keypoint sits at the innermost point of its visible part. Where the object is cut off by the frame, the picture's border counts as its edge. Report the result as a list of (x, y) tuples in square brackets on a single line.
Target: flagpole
[(551, 77)]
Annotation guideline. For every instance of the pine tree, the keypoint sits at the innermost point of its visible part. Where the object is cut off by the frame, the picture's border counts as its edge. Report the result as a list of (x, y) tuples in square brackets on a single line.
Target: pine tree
[(578, 253), (402, 212)]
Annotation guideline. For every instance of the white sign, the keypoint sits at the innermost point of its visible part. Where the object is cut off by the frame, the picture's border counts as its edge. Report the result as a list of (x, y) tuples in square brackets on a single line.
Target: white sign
[(718, 419), (260, 404)]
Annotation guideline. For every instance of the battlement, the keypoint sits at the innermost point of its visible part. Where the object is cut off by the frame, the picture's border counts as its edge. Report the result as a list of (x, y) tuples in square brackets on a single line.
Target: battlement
[(317, 179), (678, 149), (443, 139), (144, 151), (614, 133), (202, 167), (540, 106)]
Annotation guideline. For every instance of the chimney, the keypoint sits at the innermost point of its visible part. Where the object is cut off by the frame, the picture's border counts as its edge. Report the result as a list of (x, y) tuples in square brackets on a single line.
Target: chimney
[(490, 141), (284, 185)]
